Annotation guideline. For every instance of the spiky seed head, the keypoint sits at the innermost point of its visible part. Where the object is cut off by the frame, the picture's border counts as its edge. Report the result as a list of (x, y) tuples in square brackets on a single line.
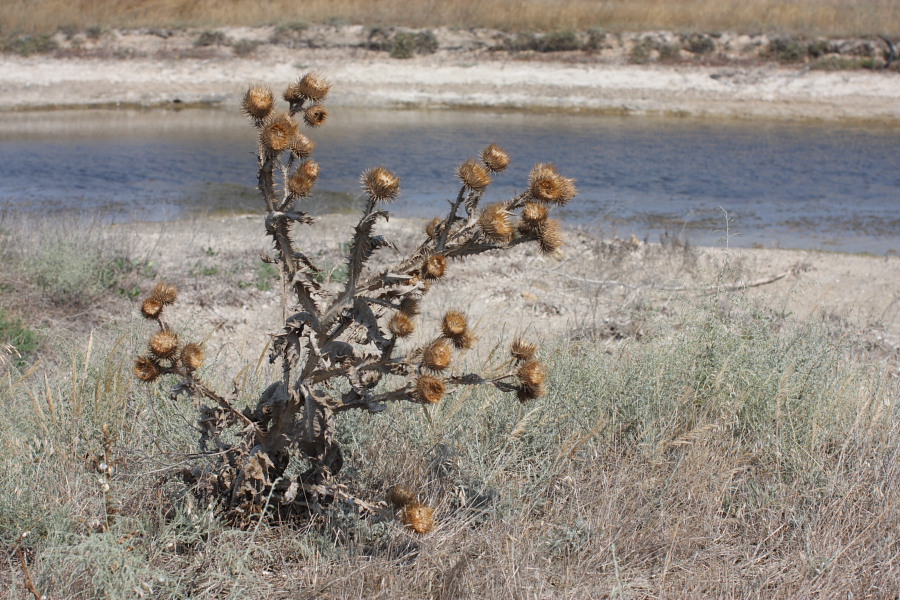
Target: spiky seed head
[(434, 267), (301, 146), (437, 355), (495, 158), (533, 214), (315, 115), (400, 496), (546, 185), (151, 308), (146, 369), (549, 236), (380, 184), (495, 223), (465, 341), (473, 175), (522, 350), (418, 517), (164, 343), (401, 325), (164, 293), (530, 392), (301, 183), (192, 356), (454, 324), (258, 102), (532, 373), (311, 86), (432, 229), (409, 306), (430, 389), (279, 132)]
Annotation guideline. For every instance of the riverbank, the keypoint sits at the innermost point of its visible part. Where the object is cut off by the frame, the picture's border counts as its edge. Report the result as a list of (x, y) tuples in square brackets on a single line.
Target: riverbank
[(729, 76)]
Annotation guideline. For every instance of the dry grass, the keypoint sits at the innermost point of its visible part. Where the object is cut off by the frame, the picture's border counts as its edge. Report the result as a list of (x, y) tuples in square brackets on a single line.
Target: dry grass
[(815, 17), (728, 453)]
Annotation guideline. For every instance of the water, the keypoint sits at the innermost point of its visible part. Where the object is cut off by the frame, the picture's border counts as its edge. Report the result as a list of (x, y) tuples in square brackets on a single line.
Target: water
[(834, 187)]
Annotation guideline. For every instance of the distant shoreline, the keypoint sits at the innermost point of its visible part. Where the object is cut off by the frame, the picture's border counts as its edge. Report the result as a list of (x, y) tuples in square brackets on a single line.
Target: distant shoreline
[(138, 69)]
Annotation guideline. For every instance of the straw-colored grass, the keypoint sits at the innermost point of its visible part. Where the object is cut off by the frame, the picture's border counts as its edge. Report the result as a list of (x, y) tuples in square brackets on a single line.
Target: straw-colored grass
[(723, 455), (815, 17)]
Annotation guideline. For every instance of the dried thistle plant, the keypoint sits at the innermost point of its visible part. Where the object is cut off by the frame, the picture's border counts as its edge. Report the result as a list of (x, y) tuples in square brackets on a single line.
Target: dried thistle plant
[(347, 338)]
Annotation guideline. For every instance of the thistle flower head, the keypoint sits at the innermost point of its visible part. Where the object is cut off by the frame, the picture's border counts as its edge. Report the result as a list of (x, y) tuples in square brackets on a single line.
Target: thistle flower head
[(315, 115), (279, 132), (546, 185), (533, 214), (164, 343), (495, 223), (454, 325), (532, 373), (430, 389), (301, 146), (437, 355), (192, 356), (495, 158), (151, 308), (525, 392), (473, 175), (400, 496), (401, 325), (258, 102), (434, 267), (146, 369), (311, 86), (301, 183), (418, 517), (432, 229), (549, 236), (522, 350), (164, 293), (380, 184)]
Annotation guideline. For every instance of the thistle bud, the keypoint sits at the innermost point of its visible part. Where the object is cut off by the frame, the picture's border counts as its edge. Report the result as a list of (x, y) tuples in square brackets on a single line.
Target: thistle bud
[(258, 102), (380, 184), (525, 392), (434, 267), (437, 355), (532, 373), (400, 496), (522, 350), (432, 229), (495, 158), (151, 308), (146, 369), (409, 306), (546, 185), (454, 325), (164, 293), (401, 325), (163, 343), (430, 389), (495, 223), (279, 132), (301, 146), (315, 115), (192, 356), (418, 517), (473, 175), (311, 86), (549, 236), (533, 214), (301, 183)]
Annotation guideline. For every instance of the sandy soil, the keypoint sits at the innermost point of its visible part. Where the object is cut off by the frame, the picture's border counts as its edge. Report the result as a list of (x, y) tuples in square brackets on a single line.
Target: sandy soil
[(154, 68)]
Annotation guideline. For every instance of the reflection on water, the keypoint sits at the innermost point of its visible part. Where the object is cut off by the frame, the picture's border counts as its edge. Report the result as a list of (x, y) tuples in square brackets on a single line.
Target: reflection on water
[(808, 186)]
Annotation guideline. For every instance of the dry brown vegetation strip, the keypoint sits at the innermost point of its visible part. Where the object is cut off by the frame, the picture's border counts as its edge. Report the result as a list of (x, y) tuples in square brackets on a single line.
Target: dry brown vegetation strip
[(820, 17)]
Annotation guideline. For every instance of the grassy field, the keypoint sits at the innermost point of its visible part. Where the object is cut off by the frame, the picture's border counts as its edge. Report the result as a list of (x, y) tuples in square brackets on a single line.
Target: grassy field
[(813, 17), (728, 451)]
